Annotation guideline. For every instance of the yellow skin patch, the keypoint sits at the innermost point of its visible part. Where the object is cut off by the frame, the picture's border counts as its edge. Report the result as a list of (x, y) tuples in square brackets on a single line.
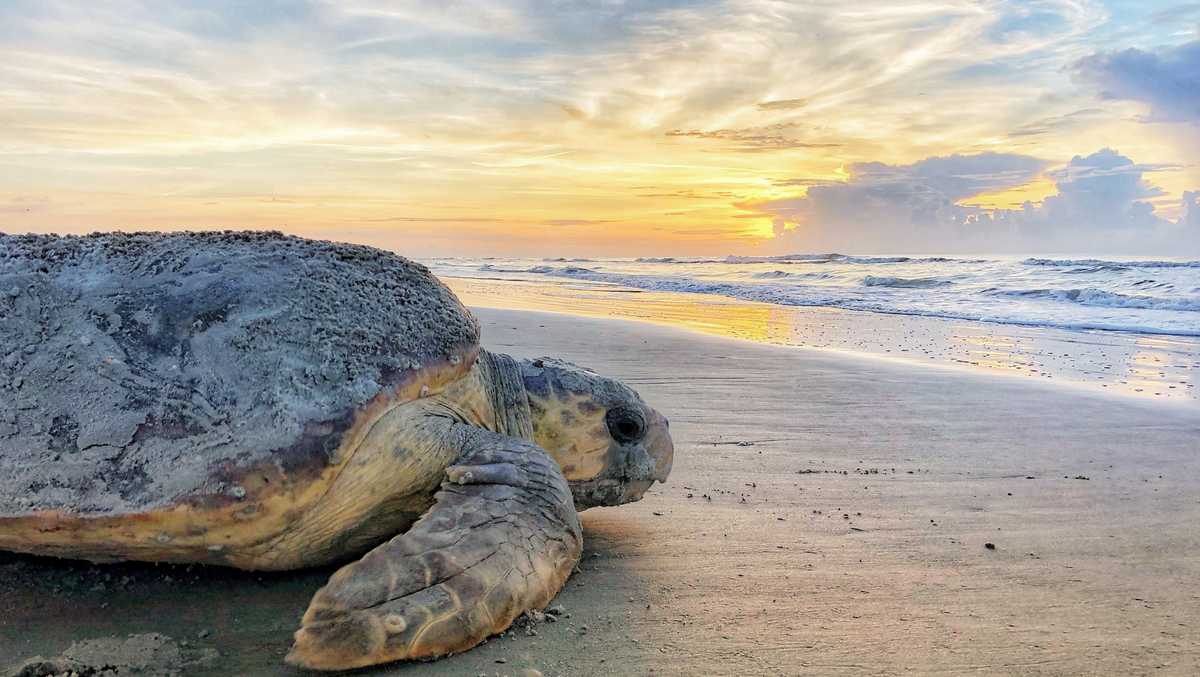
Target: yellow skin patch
[(502, 537), (573, 431), (277, 522), (383, 478)]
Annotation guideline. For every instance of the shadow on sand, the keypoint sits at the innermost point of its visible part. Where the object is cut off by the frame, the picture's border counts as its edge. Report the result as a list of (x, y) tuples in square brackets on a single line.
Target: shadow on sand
[(248, 618)]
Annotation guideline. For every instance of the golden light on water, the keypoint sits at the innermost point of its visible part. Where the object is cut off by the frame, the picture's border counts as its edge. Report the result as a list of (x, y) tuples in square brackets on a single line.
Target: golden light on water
[(708, 314), (1128, 364)]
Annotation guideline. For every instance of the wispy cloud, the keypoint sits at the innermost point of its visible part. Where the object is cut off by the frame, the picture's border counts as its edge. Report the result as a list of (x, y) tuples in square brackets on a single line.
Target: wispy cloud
[(782, 136), (783, 104), (478, 115), (575, 222)]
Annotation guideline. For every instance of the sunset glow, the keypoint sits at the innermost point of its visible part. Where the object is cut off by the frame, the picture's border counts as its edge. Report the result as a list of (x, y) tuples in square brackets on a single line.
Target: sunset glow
[(624, 128)]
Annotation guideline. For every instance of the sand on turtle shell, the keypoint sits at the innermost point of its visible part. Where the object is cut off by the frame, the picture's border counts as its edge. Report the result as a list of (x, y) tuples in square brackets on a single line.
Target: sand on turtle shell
[(131, 365)]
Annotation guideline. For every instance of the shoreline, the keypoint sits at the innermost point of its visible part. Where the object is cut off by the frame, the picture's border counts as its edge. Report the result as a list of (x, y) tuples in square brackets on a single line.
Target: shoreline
[(1149, 367)]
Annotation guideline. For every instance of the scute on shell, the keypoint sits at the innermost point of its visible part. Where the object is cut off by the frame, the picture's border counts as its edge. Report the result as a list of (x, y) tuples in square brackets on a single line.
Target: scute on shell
[(136, 369)]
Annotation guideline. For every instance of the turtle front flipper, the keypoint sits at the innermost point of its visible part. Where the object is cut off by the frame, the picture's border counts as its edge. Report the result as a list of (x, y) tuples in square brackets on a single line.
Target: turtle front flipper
[(501, 538)]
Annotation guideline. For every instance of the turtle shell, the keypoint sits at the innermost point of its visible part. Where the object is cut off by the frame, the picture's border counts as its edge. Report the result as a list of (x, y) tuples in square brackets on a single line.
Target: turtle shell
[(142, 371)]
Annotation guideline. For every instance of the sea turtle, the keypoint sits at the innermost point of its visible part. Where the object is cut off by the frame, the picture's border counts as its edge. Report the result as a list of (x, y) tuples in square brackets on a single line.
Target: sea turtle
[(264, 401)]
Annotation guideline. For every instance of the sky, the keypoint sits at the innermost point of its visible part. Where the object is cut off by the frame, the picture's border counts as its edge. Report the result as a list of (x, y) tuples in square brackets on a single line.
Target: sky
[(610, 127)]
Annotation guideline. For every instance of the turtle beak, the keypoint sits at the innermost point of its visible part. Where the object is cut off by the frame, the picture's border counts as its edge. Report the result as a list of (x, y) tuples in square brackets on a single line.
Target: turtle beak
[(633, 468), (658, 444)]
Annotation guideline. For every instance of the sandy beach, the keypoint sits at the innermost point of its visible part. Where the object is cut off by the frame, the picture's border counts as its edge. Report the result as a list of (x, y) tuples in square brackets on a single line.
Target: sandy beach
[(827, 515)]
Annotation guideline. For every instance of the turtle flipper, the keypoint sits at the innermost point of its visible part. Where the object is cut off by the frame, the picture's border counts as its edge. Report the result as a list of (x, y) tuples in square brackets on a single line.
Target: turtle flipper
[(501, 538)]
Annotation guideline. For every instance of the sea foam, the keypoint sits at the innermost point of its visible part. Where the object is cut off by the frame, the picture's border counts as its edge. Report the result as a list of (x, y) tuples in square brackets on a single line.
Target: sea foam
[(1149, 296)]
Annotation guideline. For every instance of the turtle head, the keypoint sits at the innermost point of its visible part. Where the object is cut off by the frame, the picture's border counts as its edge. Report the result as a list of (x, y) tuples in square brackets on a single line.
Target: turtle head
[(610, 444)]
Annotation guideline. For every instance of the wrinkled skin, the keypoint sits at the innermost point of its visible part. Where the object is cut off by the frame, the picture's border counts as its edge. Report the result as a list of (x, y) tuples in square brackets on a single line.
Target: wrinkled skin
[(610, 445), (503, 534), (267, 402)]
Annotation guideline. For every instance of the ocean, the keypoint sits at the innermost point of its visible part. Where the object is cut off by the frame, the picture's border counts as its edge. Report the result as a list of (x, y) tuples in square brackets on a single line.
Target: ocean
[(1129, 327), (1154, 297)]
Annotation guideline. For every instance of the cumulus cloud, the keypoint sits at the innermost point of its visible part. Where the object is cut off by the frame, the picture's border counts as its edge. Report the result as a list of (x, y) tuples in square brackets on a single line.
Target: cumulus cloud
[(1102, 203), (1168, 80), (887, 204), (1104, 190), (1191, 210)]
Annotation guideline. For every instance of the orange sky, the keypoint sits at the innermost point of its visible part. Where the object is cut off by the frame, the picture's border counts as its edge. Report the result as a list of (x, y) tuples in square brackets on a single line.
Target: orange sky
[(501, 128)]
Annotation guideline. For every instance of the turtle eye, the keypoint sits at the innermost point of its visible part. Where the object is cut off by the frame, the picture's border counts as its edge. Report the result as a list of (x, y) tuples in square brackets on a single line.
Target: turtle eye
[(625, 424)]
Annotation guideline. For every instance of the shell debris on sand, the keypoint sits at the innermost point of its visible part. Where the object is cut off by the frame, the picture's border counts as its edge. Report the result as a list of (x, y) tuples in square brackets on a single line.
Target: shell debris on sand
[(148, 654)]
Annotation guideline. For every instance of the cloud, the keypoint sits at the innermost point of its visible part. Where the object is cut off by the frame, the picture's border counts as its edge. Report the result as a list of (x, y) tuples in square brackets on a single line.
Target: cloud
[(1104, 190), (1168, 80), (783, 104), (1191, 210), (889, 199), (1058, 124), (575, 222), (1102, 203), (404, 117), (756, 139), (432, 219), (1172, 16)]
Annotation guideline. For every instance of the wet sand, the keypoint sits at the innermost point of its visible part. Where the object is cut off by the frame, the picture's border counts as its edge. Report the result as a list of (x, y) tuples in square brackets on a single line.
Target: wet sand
[(827, 515), (1152, 367)]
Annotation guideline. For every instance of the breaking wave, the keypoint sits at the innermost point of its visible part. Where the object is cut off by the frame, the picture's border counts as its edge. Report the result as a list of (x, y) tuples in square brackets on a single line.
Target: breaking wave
[(1157, 297), (905, 282), (1095, 265), (1105, 299), (806, 258)]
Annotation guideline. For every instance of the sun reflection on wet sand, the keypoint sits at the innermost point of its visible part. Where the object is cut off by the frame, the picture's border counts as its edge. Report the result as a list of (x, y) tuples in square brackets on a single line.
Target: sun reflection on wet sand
[(992, 351), (1154, 367), (710, 314)]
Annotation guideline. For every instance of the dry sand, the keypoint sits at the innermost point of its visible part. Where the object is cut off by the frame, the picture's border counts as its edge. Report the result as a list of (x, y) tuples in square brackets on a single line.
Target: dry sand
[(827, 515)]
